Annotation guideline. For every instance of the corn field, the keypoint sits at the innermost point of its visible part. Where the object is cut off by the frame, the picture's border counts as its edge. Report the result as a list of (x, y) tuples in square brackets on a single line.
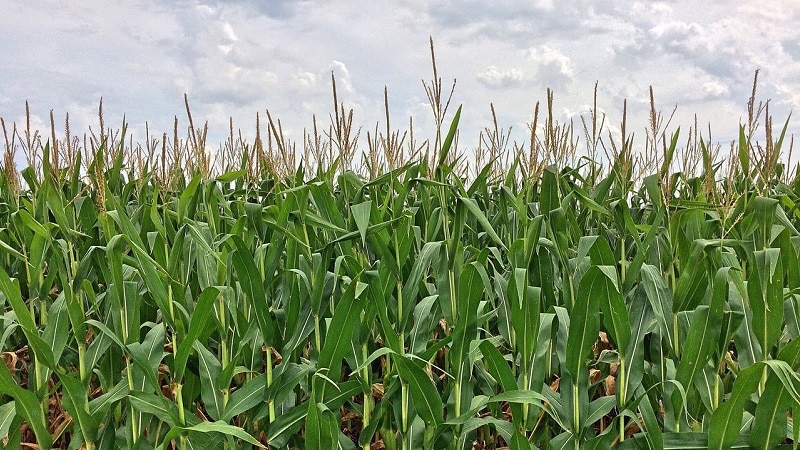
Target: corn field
[(409, 296)]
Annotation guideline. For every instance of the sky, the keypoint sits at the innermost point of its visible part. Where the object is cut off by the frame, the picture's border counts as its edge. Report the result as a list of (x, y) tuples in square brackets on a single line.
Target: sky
[(240, 57)]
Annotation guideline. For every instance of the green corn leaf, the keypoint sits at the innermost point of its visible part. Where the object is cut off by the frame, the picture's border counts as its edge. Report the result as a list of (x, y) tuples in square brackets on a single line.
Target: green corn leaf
[(470, 291), (213, 427), (426, 317), (519, 442), (56, 333), (155, 284), (318, 281), (524, 303), (652, 430), (286, 380), (780, 216), (448, 141), (684, 441), (643, 251), (361, 213), (549, 195), (422, 264), (564, 441), (642, 321), (28, 406), (211, 391), (99, 406), (584, 324), (475, 210), (599, 408), (231, 176), (302, 329), (707, 384), (703, 333), (543, 361), (106, 332), (727, 419), (246, 397), (368, 432), (7, 414), (744, 152), (765, 292), (149, 267), (340, 332), (524, 396), (76, 403), (769, 425), (75, 312), (615, 314), (691, 285), (787, 376), (747, 345), (321, 429), (253, 287), (500, 370), (669, 155), (156, 405), (289, 423), (202, 313), (427, 402), (41, 350), (589, 202), (597, 249), (286, 425), (795, 430), (378, 296), (731, 321), (148, 356), (33, 225), (187, 202), (596, 287), (10, 249)]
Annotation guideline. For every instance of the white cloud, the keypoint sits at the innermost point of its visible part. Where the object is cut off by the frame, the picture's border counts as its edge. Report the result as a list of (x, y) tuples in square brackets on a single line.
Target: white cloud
[(553, 68), (305, 80), (343, 83), (549, 57), (229, 33), (205, 10), (229, 38), (677, 34), (715, 89), (497, 77)]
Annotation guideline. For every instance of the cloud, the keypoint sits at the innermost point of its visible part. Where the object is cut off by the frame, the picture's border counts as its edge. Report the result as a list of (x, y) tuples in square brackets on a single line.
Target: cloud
[(240, 57), (339, 69), (278, 9), (305, 80), (677, 34), (715, 89), (553, 68), (497, 77), (457, 14)]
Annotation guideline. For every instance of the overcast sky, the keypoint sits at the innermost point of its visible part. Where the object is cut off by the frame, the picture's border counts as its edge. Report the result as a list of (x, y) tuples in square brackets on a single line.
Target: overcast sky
[(241, 57)]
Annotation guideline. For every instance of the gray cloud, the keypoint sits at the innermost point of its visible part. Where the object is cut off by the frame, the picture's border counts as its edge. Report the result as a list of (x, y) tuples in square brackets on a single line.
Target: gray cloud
[(237, 58)]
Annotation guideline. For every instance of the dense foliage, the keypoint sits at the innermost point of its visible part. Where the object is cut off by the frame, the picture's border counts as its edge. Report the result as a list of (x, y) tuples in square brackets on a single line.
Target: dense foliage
[(535, 306)]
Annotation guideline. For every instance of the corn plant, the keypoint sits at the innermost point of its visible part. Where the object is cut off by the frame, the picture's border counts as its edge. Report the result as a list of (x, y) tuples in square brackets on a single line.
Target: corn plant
[(626, 302)]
